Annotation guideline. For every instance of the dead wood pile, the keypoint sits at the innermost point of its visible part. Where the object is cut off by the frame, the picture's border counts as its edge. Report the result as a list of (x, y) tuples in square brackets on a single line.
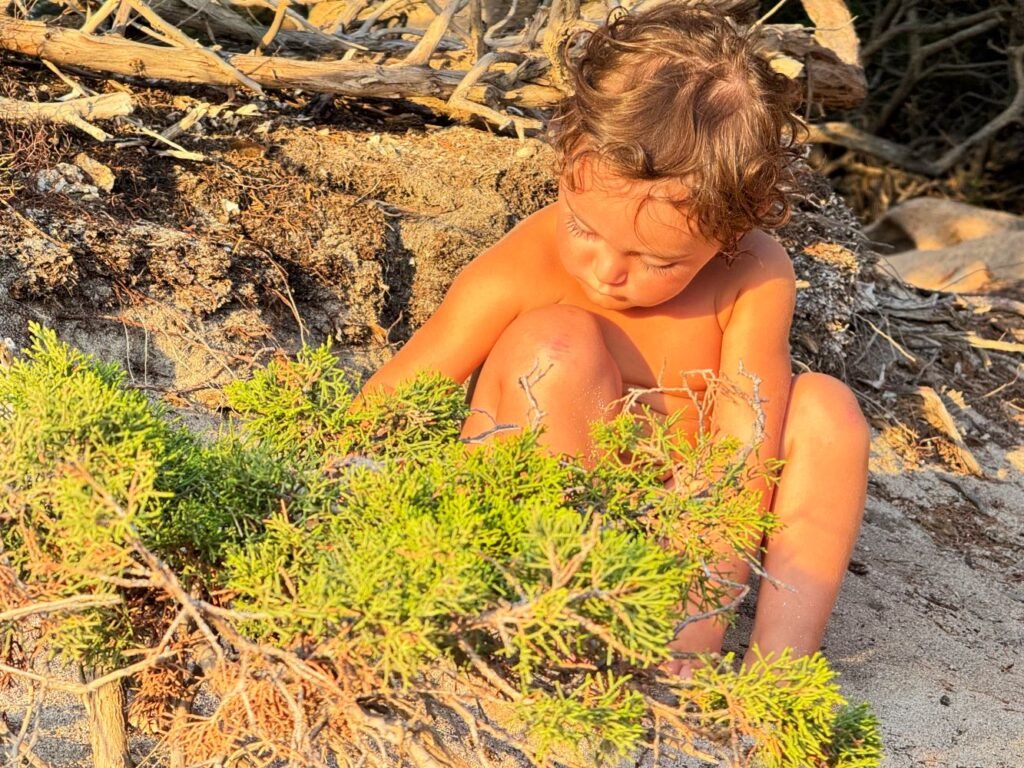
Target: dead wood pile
[(942, 113), (495, 59)]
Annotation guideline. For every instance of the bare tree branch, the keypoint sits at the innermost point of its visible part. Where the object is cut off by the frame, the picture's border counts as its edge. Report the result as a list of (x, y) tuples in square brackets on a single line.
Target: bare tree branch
[(851, 137), (877, 43), (74, 112)]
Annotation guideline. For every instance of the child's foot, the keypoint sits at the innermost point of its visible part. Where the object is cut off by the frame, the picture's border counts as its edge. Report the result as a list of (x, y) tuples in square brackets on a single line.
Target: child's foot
[(682, 667)]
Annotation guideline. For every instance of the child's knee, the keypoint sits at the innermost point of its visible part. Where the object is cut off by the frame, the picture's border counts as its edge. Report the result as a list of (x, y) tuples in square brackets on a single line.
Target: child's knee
[(823, 409), (558, 340)]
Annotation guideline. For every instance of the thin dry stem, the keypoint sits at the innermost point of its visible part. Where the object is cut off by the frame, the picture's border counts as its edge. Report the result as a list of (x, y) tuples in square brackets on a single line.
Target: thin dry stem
[(71, 604)]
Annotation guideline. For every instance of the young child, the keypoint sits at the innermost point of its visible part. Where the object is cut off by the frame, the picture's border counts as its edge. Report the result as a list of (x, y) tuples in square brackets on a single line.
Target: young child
[(674, 148)]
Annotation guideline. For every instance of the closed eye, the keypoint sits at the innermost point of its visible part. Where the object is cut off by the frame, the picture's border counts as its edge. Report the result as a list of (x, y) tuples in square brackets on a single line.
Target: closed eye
[(660, 267), (576, 230)]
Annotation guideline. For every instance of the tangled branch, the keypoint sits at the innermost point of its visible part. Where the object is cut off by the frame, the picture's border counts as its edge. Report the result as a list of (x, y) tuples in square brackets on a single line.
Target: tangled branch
[(851, 137), (442, 56)]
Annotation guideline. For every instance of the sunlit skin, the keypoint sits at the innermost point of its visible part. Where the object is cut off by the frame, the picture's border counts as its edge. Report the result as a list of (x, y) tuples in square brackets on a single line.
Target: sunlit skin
[(613, 288)]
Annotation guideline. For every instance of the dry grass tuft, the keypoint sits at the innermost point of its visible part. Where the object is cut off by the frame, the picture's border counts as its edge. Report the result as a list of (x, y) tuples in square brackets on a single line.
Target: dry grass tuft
[(26, 149)]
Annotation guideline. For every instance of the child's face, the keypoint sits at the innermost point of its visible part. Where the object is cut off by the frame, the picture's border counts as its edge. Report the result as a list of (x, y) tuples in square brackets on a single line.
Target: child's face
[(624, 241)]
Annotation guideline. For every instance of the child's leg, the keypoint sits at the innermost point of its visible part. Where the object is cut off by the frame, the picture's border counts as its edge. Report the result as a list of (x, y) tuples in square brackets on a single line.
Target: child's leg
[(819, 502), (572, 379)]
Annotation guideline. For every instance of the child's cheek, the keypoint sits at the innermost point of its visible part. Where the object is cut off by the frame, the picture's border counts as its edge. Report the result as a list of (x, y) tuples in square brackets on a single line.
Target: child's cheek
[(571, 254)]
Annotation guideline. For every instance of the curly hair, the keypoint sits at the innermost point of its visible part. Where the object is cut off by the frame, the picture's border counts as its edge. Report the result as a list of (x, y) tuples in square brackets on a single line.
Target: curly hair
[(680, 92)]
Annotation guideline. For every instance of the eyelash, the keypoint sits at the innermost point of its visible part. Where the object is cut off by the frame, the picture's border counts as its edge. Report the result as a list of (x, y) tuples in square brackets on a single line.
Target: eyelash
[(578, 231), (657, 267)]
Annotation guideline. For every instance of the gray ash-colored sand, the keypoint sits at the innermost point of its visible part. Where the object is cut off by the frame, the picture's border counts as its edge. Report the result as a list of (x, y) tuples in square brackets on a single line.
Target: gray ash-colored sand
[(931, 635)]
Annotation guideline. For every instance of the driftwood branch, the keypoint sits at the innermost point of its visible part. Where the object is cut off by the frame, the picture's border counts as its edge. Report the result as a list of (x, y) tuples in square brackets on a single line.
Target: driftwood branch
[(825, 78), (458, 99), (421, 54), (93, 21), (180, 38), (443, 61), (75, 112), (275, 26), (834, 28), (186, 65), (282, 9)]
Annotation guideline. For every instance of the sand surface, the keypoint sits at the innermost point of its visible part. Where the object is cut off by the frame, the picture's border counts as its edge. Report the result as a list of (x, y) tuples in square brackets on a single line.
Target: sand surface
[(933, 634)]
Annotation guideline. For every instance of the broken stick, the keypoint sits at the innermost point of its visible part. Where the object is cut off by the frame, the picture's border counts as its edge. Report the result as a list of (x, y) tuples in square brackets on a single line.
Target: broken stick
[(936, 414), (74, 112)]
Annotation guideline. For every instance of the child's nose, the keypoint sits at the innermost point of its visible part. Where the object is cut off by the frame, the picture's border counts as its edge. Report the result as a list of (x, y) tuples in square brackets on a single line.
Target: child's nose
[(609, 267)]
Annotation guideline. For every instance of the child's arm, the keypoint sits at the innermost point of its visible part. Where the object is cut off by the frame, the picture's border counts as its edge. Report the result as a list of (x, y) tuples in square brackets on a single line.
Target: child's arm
[(484, 299), (757, 338)]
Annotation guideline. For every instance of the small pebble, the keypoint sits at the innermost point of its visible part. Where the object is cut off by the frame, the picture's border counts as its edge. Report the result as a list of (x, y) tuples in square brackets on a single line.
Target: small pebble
[(230, 208), (858, 568), (100, 174), (945, 701)]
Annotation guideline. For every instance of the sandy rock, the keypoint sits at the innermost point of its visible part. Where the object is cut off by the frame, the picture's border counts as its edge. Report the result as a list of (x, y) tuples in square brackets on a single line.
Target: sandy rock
[(973, 266), (8, 349), (944, 245), (930, 224), (64, 178), (100, 174)]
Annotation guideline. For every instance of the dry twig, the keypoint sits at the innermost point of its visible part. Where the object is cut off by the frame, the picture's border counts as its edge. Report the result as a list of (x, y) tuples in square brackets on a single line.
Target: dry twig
[(75, 112)]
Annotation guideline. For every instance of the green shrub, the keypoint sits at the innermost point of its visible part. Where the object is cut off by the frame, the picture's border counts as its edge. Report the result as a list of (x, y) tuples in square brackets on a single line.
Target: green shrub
[(86, 465), (362, 538)]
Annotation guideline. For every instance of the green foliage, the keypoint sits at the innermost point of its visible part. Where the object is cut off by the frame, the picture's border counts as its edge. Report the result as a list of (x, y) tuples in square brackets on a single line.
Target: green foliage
[(85, 463), (304, 409), (411, 554), (856, 741), (294, 406), (644, 463), (229, 489), (598, 721), (364, 534), (793, 709)]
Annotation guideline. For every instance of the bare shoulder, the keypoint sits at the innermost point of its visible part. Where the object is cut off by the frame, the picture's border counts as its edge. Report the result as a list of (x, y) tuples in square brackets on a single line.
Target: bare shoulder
[(530, 243), (761, 277), (762, 257), (761, 261)]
